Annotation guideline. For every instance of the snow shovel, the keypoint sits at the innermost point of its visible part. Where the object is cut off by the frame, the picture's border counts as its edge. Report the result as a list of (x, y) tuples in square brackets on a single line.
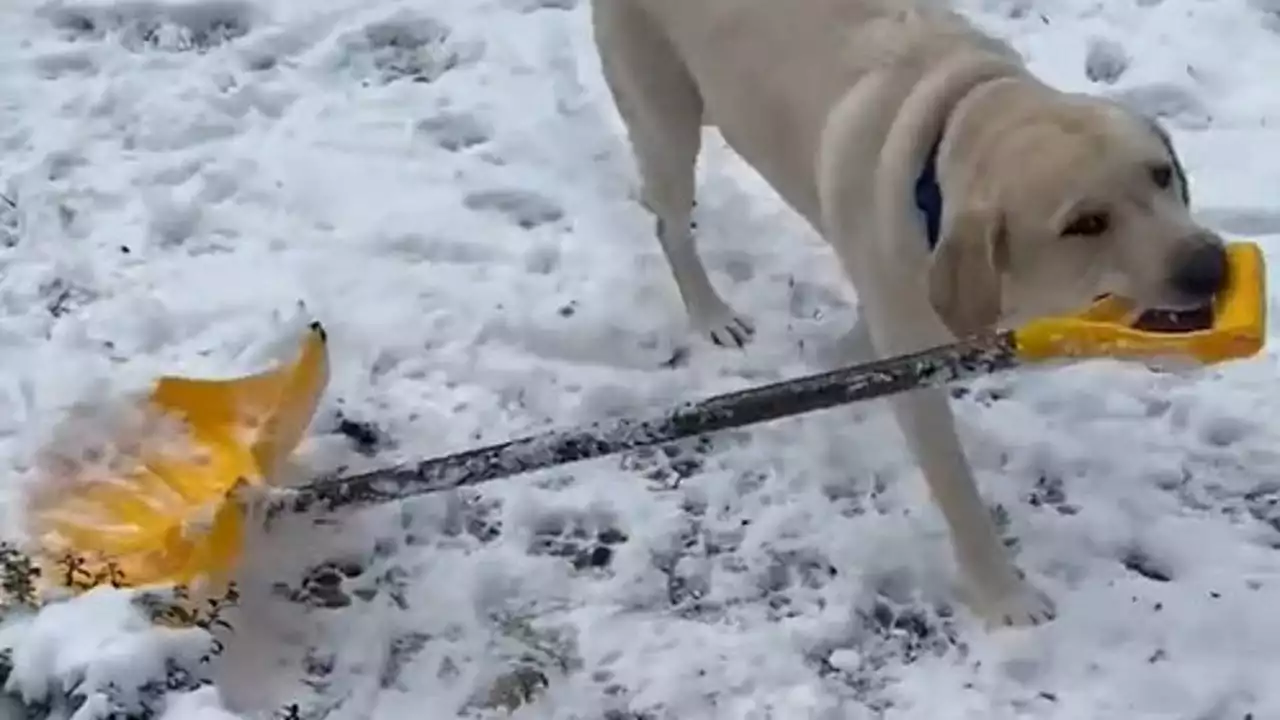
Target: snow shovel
[(158, 512), (176, 516)]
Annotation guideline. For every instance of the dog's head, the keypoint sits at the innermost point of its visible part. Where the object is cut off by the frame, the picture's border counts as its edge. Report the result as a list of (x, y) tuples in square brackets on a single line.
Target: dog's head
[(1062, 202)]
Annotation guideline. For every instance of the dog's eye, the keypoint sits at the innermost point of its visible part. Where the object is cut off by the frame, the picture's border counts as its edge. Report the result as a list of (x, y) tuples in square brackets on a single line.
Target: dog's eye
[(1162, 176), (1088, 225)]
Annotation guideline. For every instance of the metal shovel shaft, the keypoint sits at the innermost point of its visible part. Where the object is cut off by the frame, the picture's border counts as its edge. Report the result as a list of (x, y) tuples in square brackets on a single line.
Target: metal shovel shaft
[(929, 368)]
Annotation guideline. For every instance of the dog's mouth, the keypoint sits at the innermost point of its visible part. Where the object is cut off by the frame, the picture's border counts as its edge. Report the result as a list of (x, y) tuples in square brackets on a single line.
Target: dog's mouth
[(1173, 320)]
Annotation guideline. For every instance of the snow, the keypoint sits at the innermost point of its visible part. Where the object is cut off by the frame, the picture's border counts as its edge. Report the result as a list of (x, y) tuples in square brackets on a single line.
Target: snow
[(443, 184), (99, 648)]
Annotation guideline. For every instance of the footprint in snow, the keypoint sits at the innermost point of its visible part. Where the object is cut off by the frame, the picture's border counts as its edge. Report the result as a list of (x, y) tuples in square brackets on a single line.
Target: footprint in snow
[(1173, 103), (523, 207), (1105, 61), (141, 26), (586, 540), (528, 6), (455, 131), (8, 222), (404, 46)]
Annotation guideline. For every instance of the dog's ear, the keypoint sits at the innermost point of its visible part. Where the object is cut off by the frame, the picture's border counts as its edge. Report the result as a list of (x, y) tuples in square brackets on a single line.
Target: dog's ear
[(1183, 188), (1131, 105), (964, 277)]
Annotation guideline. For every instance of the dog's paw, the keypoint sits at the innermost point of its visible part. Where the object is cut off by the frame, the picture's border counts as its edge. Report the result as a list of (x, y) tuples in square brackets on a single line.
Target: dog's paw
[(1020, 605), (723, 326)]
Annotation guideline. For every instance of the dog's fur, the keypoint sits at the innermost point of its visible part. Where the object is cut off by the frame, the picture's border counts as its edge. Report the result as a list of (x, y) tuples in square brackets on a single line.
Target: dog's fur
[(1049, 198)]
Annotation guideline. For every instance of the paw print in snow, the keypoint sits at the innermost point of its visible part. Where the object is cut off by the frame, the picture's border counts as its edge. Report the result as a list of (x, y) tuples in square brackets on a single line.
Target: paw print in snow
[(139, 26), (402, 47), (1105, 61)]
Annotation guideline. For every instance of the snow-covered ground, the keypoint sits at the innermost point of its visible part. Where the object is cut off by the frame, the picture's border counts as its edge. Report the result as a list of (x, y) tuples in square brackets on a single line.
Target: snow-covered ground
[(443, 183)]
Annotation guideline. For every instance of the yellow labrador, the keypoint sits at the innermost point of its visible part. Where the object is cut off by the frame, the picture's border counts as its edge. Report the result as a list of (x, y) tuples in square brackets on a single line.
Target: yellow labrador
[(958, 191)]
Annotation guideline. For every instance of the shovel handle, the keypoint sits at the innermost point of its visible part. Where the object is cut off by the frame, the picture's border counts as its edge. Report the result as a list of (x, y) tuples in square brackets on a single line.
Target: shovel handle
[(958, 361)]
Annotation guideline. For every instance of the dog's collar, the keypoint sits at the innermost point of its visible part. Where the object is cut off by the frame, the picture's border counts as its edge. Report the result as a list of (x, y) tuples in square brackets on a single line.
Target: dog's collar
[(929, 196), (928, 190)]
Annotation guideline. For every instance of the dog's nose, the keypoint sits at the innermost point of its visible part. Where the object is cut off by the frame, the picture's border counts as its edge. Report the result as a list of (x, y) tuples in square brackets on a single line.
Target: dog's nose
[(1201, 271)]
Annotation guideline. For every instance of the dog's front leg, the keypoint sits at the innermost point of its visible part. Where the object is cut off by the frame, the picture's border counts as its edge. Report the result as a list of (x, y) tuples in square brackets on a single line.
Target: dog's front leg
[(998, 592)]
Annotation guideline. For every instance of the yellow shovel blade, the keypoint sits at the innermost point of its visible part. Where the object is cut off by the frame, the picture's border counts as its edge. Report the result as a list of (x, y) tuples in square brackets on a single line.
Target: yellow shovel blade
[(170, 519), (267, 412)]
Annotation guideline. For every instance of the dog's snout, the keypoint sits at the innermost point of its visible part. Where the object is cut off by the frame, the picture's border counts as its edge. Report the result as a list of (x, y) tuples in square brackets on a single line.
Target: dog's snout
[(1201, 269)]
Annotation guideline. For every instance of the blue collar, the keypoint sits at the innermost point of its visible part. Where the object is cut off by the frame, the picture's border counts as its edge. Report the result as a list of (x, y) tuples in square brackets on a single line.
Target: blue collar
[(929, 196)]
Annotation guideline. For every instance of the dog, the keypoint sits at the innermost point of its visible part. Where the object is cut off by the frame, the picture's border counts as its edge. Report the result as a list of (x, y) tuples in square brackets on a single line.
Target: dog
[(959, 193)]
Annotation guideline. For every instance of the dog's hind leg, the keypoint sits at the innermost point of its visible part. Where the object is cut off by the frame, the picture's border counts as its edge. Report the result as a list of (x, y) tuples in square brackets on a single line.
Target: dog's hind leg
[(662, 110)]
